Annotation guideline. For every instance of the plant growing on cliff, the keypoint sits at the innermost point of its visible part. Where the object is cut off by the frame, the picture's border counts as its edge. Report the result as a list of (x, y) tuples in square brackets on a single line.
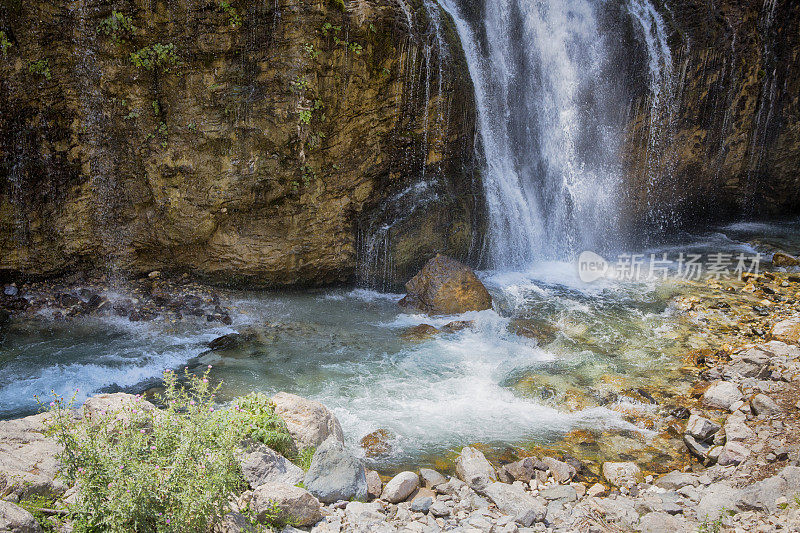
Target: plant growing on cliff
[(145, 469), (118, 26), (40, 67), (5, 44), (234, 20), (155, 57)]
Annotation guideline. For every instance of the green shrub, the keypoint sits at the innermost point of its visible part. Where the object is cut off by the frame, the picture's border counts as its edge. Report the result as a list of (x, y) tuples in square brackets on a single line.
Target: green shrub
[(117, 26), (257, 413), (34, 505), (40, 67), (157, 56), (234, 20), (5, 44), (145, 470)]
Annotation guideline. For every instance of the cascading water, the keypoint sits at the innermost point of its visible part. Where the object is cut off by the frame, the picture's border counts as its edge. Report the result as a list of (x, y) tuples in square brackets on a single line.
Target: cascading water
[(551, 107)]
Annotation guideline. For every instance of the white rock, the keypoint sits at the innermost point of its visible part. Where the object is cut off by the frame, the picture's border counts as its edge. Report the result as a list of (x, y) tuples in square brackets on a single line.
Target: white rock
[(15, 519), (717, 496), (261, 465), (562, 472), (294, 503), (400, 487), (721, 395), (736, 429), (764, 405), (310, 423), (474, 469), (596, 490), (516, 502), (374, 484), (701, 428), (622, 474)]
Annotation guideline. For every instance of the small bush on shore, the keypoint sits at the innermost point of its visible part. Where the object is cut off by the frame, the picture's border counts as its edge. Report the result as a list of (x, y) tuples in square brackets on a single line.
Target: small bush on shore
[(257, 412), (144, 470)]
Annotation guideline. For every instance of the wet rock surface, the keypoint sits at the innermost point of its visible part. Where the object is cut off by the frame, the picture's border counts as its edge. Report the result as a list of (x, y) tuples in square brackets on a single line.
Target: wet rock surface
[(446, 287)]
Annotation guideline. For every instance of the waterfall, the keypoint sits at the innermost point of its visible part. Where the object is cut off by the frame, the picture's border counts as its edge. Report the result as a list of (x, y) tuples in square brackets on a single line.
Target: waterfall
[(552, 106)]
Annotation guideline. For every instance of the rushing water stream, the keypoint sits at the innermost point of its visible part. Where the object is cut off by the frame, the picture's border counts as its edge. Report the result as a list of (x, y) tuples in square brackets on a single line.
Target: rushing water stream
[(551, 115), (347, 348)]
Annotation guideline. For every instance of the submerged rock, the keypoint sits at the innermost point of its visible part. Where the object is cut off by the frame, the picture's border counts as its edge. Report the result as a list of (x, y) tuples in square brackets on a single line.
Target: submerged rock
[(781, 259), (446, 287), (377, 442)]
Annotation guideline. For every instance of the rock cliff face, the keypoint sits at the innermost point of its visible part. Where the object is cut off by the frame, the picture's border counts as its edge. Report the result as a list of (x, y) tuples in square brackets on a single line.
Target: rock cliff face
[(269, 143), (725, 139)]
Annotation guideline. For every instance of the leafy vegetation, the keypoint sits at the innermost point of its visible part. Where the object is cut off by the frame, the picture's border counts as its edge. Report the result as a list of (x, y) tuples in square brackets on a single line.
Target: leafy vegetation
[(257, 412), (5, 44), (118, 26), (234, 19), (40, 67), (34, 504), (310, 51), (329, 29), (142, 469), (155, 57)]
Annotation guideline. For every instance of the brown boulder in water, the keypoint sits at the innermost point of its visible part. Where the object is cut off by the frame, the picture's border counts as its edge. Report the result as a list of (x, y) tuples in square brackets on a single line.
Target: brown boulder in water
[(446, 287), (784, 260)]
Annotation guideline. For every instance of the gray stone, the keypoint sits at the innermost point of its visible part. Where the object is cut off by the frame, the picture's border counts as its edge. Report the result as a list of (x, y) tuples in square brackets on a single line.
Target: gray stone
[(431, 478), (661, 522), (762, 496), (310, 423), (515, 502), (716, 497), (364, 513), (374, 484), (702, 429), (439, 509), (755, 356), (335, 474), (233, 523), (721, 395), (622, 474), (400, 487), (421, 505), (695, 448), (671, 503), (676, 480), (562, 472), (620, 510), (294, 503), (473, 468), (733, 453), (559, 492), (522, 470), (736, 429), (28, 459), (15, 519), (764, 405), (261, 465)]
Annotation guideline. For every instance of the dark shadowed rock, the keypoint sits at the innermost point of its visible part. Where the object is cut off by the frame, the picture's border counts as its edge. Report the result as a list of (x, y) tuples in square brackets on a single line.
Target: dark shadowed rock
[(446, 287)]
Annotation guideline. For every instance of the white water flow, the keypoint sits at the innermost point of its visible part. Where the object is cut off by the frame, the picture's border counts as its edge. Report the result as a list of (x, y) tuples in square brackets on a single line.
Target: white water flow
[(551, 117)]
